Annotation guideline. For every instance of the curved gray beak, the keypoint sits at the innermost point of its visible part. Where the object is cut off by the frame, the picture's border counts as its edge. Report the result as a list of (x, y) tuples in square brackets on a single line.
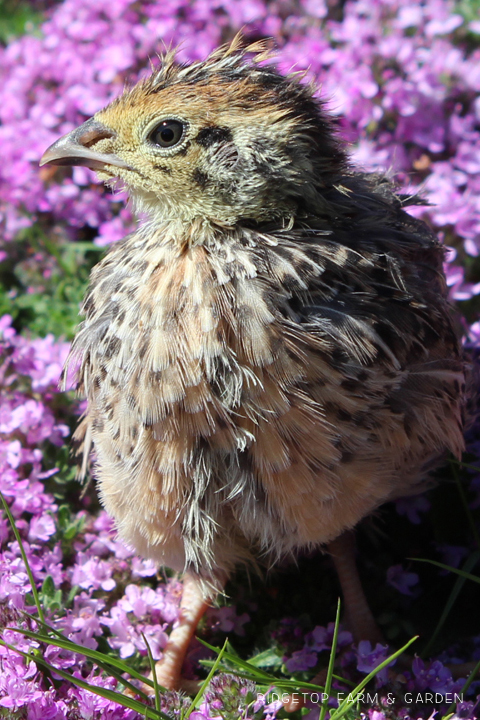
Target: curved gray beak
[(75, 148)]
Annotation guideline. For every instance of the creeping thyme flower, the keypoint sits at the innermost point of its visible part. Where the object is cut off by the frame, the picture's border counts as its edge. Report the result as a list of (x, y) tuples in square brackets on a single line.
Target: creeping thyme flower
[(402, 580), (435, 677), (301, 660), (370, 658), (229, 696)]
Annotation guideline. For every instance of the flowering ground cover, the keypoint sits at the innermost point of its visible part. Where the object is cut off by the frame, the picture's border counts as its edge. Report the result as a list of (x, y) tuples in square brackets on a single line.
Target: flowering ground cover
[(403, 81)]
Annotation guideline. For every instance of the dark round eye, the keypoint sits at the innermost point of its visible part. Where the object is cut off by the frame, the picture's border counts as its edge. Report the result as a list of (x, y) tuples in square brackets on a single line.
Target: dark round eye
[(167, 133)]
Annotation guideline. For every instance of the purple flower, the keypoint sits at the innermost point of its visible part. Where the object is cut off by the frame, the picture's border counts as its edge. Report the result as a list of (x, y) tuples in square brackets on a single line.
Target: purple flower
[(321, 638), (369, 659), (465, 711), (94, 706), (436, 677), (16, 688), (272, 709), (128, 637), (412, 507), (90, 572), (142, 600), (301, 660), (47, 708), (225, 619), (400, 579), (142, 567), (42, 527), (228, 696), (452, 555), (376, 715)]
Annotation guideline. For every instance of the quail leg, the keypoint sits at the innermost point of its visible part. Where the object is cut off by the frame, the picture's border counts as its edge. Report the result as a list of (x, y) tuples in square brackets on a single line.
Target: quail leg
[(359, 616), (192, 607)]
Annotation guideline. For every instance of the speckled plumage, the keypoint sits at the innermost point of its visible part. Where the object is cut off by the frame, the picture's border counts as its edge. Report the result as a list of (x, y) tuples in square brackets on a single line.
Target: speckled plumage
[(271, 356)]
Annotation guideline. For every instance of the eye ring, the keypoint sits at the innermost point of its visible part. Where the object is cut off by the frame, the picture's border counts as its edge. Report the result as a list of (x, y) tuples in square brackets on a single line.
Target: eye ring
[(167, 133)]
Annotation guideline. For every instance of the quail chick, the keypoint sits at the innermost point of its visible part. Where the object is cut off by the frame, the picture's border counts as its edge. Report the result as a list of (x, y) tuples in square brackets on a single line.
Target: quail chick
[(271, 355)]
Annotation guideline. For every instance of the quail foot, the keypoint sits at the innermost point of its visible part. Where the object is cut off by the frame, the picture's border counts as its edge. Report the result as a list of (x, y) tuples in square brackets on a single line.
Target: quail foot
[(271, 355)]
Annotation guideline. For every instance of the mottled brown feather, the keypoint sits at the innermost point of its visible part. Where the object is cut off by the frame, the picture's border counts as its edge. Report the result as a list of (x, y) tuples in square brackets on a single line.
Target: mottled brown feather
[(272, 355)]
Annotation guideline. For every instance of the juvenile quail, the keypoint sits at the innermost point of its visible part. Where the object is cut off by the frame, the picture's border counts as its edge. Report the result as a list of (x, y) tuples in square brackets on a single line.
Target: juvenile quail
[(271, 355)]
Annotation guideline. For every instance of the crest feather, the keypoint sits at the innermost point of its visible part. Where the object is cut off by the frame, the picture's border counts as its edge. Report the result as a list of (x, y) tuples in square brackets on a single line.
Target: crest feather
[(228, 56)]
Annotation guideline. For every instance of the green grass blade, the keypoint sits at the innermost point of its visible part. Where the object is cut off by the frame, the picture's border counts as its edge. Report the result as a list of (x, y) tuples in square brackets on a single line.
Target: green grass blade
[(462, 573), (156, 686), (261, 677), (280, 683), (24, 557), (111, 695), (96, 655), (256, 672), (331, 663), (460, 463), (204, 685), (460, 581), (467, 684), (103, 661), (346, 704)]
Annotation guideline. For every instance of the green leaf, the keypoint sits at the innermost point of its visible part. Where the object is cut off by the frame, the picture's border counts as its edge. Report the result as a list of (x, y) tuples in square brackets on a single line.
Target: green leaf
[(63, 517), (68, 524), (72, 595), (51, 597), (236, 661), (267, 658), (48, 587)]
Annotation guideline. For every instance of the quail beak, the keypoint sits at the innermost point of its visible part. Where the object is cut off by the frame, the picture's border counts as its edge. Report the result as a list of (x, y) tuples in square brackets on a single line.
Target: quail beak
[(78, 148)]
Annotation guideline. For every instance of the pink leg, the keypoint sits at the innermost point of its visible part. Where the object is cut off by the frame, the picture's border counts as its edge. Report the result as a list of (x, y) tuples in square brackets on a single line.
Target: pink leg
[(192, 607), (359, 615)]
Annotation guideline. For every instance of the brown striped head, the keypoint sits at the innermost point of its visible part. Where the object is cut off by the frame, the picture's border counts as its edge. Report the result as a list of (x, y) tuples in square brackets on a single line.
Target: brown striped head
[(226, 139)]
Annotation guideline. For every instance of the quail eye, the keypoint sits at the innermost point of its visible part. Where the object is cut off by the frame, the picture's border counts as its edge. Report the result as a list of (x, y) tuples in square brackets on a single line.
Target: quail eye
[(167, 134)]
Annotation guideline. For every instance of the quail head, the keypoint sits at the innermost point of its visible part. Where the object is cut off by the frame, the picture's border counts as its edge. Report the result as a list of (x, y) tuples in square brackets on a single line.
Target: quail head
[(271, 355)]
